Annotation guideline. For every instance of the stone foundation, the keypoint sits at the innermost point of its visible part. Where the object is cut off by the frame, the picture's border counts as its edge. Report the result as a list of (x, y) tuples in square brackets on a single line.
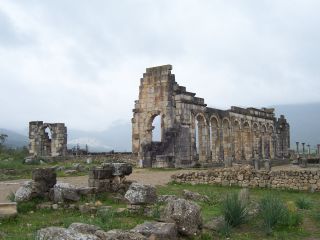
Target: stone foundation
[(247, 176)]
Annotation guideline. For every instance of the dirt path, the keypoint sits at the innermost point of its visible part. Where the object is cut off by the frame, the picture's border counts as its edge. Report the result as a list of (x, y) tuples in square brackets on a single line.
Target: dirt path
[(145, 176)]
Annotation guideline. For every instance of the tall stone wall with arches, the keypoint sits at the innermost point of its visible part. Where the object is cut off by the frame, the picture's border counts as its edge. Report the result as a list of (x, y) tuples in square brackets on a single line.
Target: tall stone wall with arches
[(47, 139), (192, 133)]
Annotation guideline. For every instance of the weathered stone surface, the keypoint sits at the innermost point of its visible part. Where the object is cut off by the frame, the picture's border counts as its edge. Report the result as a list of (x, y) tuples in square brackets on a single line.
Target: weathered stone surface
[(185, 214), (101, 173), (141, 194), (84, 228), (224, 136), (57, 233), (195, 196), (122, 169), (40, 142), (46, 177), (8, 210), (167, 198), (65, 191), (297, 179), (120, 235), (25, 192), (157, 230)]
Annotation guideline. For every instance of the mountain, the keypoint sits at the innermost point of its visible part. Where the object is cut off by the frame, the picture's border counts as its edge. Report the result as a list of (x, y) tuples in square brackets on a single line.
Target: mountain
[(117, 137), (14, 139)]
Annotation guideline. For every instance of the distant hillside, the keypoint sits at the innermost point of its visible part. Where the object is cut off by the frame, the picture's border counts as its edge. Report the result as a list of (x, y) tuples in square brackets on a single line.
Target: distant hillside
[(117, 137), (14, 139)]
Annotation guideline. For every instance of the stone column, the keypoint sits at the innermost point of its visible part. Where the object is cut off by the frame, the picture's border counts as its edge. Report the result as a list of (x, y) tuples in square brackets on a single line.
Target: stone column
[(297, 143), (303, 152), (309, 151)]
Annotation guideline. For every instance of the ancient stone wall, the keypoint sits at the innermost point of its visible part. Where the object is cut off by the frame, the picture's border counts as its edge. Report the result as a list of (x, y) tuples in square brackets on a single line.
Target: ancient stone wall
[(246, 176), (40, 142), (192, 133)]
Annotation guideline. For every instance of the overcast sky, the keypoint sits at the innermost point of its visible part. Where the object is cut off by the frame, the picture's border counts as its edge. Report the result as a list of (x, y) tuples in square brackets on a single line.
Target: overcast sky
[(80, 62)]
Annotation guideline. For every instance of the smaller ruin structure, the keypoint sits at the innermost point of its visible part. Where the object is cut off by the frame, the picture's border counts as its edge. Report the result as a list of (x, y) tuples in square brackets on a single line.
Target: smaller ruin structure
[(47, 139)]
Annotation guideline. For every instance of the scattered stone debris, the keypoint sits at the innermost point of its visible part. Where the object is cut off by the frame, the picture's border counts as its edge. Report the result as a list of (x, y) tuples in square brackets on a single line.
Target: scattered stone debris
[(81, 231), (185, 214), (195, 196), (43, 180)]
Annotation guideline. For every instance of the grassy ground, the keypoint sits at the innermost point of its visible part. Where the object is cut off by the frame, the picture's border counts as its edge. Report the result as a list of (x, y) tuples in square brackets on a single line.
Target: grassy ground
[(12, 166), (254, 228), (30, 219)]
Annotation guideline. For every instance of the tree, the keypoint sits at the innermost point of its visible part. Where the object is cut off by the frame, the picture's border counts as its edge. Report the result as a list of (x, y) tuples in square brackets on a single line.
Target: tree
[(3, 138)]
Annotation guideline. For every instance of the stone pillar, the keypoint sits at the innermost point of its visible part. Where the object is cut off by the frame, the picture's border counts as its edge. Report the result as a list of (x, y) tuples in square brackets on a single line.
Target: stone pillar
[(256, 163), (309, 150), (297, 143), (303, 150), (267, 164)]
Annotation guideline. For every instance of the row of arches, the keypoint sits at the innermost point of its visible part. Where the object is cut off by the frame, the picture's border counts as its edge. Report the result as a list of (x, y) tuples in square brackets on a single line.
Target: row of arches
[(236, 139)]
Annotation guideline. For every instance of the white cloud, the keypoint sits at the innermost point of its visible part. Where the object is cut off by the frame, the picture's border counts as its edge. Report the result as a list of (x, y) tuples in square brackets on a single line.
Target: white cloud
[(80, 63)]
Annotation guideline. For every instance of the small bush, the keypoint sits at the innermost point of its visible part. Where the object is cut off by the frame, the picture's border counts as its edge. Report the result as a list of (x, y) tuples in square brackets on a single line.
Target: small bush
[(106, 216), (205, 236), (225, 229), (303, 203), (11, 197), (291, 219), (272, 210), (234, 210)]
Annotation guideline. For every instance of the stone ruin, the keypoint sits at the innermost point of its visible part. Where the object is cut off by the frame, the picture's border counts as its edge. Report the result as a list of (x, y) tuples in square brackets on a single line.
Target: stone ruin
[(192, 133), (110, 177), (41, 145)]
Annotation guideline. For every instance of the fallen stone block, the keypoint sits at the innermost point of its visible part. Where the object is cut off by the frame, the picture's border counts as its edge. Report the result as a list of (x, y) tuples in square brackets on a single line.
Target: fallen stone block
[(57, 233), (8, 210), (185, 214), (157, 230), (141, 194)]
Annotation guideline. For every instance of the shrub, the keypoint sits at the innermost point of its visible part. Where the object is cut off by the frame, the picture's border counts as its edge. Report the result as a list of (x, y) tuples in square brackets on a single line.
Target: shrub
[(234, 210), (272, 210), (225, 229), (11, 197), (290, 219), (303, 203)]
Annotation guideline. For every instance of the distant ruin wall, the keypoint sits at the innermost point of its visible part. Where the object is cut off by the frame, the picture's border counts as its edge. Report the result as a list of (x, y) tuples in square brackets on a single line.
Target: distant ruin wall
[(246, 176), (194, 134)]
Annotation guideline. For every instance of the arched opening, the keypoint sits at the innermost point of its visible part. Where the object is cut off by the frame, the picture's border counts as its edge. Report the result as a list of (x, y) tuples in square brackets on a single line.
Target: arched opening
[(47, 142), (247, 144), (200, 137), (237, 140), (271, 142), (226, 139), (214, 139), (264, 141), (157, 129), (255, 142)]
